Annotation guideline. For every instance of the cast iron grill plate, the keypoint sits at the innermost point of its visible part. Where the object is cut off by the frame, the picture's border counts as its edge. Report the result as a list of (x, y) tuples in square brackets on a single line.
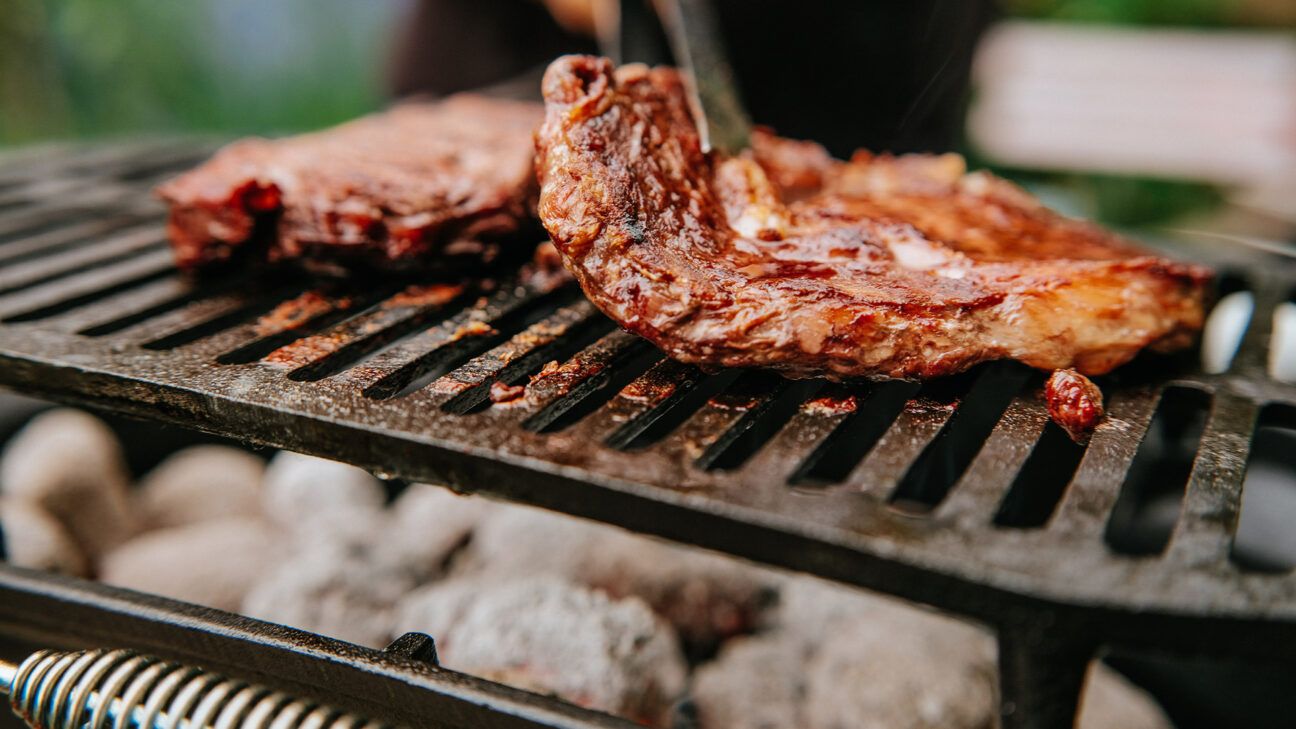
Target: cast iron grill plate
[(887, 486)]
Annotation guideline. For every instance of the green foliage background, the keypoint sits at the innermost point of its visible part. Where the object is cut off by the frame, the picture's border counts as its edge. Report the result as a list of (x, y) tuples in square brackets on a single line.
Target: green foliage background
[(93, 67)]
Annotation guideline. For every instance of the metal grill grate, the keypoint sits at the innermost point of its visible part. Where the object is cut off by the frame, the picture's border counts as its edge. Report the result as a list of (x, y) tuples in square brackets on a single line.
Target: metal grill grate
[(908, 490)]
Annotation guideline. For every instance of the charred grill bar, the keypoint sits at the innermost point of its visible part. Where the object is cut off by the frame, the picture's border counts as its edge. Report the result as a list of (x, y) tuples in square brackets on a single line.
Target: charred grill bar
[(910, 491)]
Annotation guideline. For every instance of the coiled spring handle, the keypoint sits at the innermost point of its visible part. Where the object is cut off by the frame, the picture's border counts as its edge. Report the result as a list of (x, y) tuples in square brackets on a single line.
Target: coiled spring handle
[(123, 690)]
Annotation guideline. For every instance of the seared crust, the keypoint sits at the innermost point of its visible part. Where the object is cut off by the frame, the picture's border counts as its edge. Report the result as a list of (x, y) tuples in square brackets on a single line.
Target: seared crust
[(398, 189), (787, 259), (1075, 403)]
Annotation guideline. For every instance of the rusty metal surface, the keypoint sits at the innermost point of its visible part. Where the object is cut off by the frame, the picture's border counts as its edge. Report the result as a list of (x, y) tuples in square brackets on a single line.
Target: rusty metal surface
[(813, 477)]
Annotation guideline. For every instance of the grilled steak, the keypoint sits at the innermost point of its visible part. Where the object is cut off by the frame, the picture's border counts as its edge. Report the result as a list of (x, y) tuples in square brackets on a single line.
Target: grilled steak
[(785, 258), (411, 187)]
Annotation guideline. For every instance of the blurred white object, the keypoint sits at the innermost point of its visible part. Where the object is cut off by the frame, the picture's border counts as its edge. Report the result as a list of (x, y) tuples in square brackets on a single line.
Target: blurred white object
[(840, 658), (1282, 344), (425, 526), (704, 596), (1211, 106), (305, 494), (213, 563), (71, 465), (200, 484), (551, 636), (331, 588), (1224, 328), (344, 581), (756, 682), (35, 540)]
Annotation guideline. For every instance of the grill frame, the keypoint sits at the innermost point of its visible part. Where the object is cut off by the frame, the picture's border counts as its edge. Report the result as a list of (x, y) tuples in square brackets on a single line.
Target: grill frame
[(401, 684), (1054, 595)]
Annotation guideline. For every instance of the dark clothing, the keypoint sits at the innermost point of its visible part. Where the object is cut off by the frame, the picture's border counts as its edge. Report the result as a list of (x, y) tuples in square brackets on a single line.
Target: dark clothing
[(885, 76)]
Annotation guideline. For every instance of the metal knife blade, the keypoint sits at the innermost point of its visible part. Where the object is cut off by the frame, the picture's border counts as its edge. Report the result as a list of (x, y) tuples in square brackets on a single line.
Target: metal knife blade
[(694, 36)]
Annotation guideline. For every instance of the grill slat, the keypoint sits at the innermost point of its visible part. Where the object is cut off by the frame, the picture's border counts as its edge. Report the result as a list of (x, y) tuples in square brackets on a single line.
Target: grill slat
[(79, 161), (97, 201), (1252, 355), (1213, 501), (31, 273), (319, 355), (80, 289), (292, 321), (176, 300), (468, 386), (918, 425), (552, 396), (639, 403), (793, 444), (117, 306), (722, 418), (977, 496), (1095, 487), (430, 351), (67, 236)]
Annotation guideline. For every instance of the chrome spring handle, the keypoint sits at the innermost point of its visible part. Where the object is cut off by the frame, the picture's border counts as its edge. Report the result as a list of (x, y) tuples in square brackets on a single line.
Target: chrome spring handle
[(123, 690)]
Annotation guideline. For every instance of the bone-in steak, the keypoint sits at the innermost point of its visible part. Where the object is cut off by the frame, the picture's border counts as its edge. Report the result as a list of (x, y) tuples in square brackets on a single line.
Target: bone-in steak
[(415, 186), (783, 257)]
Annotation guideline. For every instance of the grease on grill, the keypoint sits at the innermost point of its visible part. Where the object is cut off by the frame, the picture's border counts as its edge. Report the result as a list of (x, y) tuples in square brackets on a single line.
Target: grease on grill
[(829, 405), (650, 390), (478, 371), (297, 311), (474, 328), (391, 313), (438, 294), (557, 379), (502, 393)]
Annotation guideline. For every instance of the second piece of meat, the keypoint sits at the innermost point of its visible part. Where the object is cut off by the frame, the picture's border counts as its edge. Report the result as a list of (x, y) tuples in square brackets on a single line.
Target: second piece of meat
[(424, 185)]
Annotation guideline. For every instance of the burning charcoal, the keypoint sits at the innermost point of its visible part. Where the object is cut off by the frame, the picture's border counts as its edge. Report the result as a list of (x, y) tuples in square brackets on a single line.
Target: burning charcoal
[(345, 585), (811, 608), (902, 669), (336, 589), (547, 635), (755, 683), (861, 660), (427, 524), (308, 494), (31, 538), (200, 484), (212, 563), (1111, 701), (706, 598), (71, 464)]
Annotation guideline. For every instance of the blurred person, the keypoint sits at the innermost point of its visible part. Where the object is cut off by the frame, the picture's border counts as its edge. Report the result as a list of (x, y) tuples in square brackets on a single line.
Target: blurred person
[(877, 75)]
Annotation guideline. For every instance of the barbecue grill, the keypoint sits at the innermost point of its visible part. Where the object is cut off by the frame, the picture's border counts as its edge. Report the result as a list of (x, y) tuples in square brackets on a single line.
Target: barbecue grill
[(959, 494)]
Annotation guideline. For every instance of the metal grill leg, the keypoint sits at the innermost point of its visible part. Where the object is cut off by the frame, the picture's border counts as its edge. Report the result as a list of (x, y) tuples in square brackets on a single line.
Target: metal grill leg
[(1040, 679)]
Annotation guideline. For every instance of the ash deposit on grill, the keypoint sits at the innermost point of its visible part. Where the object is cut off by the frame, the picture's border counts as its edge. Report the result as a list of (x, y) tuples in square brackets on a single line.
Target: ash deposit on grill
[(593, 614)]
